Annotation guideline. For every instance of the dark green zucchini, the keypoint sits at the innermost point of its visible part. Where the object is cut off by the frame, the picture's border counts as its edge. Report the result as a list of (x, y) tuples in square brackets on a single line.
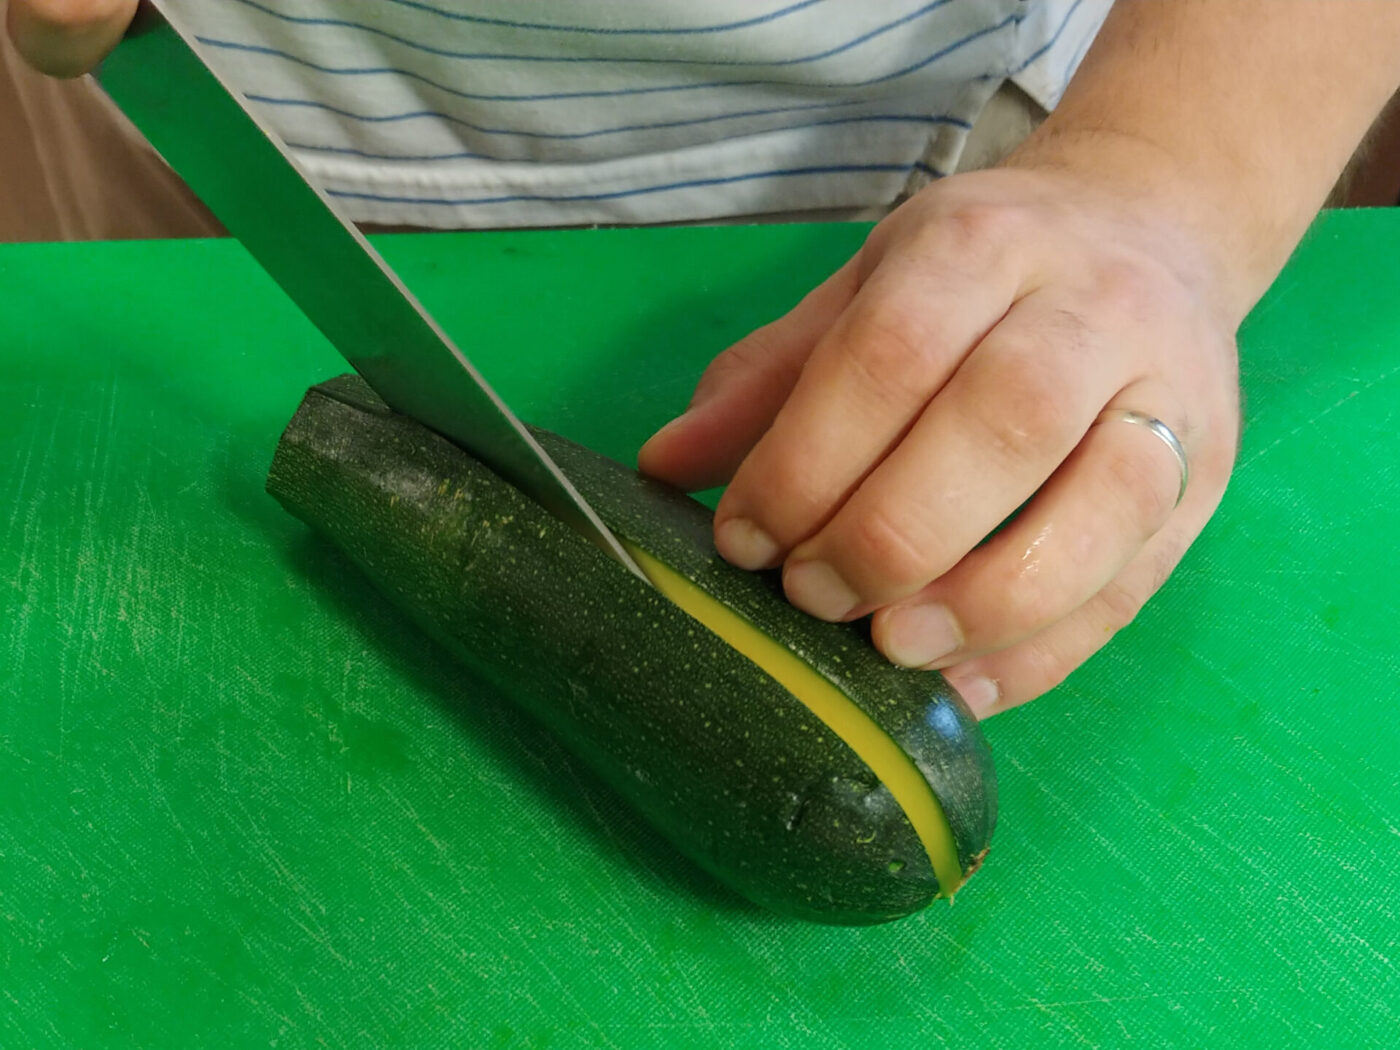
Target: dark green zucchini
[(730, 765)]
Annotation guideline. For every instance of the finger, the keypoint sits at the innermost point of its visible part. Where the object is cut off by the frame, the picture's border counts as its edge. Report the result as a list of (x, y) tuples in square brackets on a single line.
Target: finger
[(997, 431), (998, 681), (742, 390), (902, 336), (1113, 493), (66, 38)]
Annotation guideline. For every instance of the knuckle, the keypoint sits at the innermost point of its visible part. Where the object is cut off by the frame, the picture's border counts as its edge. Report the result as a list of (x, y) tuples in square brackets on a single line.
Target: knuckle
[(1037, 355), (892, 350), (1120, 605), (1129, 290), (974, 227), (890, 548), (1042, 667), (1030, 602), (751, 351), (1163, 563), (881, 239), (1027, 414), (778, 500), (757, 352)]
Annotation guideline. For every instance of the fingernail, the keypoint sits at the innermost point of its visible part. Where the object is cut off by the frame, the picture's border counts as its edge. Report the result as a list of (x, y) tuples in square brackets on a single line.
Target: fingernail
[(740, 542), (816, 588), (916, 635), (979, 692)]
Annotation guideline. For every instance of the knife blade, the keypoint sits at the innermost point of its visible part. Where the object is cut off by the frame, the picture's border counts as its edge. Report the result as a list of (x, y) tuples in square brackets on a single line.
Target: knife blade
[(234, 162)]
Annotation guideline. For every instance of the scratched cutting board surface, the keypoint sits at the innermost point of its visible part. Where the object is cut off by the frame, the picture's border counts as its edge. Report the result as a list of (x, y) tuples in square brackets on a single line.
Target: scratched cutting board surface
[(243, 804)]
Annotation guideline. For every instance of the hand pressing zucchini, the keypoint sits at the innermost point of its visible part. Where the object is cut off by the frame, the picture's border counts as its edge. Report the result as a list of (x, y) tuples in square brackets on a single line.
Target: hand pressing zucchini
[(781, 753)]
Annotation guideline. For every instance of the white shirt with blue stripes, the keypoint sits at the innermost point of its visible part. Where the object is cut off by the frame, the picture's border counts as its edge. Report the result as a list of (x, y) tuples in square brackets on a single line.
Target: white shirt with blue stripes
[(477, 113)]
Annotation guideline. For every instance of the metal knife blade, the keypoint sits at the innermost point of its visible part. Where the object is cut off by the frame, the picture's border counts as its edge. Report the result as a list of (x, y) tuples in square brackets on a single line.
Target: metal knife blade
[(244, 172)]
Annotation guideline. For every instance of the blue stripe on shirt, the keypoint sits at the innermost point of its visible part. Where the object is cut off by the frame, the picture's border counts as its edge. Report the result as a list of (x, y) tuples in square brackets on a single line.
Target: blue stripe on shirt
[(489, 56), (886, 118), (559, 96), (1078, 55), (1054, 39), (721, 180), (724, 27), (573, 135), (1009, 20), (406, 74)]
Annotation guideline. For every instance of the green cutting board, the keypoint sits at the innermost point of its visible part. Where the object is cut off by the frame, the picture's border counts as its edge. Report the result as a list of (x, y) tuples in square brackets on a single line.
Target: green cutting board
[(243, 804)]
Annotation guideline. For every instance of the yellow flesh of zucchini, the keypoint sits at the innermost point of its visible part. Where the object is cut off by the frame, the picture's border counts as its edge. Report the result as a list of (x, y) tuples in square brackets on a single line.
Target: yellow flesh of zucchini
[(886, 759)]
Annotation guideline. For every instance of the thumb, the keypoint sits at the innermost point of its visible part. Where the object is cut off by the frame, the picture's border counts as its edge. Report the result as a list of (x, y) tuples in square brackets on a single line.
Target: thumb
[(742, 390), (66, 38)]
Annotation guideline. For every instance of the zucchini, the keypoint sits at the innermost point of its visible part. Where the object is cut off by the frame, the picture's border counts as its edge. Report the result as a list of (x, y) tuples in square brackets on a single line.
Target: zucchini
[(781, 753)]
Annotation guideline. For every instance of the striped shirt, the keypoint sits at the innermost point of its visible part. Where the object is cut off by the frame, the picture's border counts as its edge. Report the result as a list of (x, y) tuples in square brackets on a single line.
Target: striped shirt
[(473, 113)]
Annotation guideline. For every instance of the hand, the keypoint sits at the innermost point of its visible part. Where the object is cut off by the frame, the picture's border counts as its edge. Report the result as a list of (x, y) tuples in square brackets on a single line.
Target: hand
[(66, 38), (951, 371)]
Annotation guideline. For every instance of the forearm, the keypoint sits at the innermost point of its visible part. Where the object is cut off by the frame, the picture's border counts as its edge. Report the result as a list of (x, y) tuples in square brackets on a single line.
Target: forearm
[(1233, 116)]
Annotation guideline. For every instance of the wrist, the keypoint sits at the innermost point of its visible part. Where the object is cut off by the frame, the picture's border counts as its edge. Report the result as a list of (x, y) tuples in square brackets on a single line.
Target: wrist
[(1202, 212), (1229, 122)]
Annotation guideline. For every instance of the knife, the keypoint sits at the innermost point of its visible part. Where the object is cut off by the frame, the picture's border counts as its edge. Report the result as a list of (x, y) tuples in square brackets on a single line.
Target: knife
[(243, 171)]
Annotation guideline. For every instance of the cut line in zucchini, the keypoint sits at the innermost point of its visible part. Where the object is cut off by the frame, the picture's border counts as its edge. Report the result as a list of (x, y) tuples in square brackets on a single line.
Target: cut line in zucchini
[(857, 729)]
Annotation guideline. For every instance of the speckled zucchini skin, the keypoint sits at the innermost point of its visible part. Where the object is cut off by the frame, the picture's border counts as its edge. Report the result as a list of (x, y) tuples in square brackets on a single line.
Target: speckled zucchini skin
[(724, 761)]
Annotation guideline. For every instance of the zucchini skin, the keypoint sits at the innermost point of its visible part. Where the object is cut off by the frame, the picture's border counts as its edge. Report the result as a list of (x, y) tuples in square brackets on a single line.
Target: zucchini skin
[(727, 764)]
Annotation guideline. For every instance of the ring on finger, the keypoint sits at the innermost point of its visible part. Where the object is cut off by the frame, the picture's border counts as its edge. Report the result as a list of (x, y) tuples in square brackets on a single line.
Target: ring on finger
[(1164, 432)]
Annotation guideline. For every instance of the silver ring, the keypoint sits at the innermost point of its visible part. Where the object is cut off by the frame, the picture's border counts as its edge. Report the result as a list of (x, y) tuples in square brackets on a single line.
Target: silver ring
[(1152, 423)]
